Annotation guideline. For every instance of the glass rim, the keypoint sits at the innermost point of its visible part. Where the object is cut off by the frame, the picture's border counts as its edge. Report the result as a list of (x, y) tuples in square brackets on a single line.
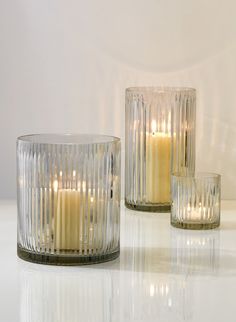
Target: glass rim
[(161, 89), (197, 175), (68, 139)]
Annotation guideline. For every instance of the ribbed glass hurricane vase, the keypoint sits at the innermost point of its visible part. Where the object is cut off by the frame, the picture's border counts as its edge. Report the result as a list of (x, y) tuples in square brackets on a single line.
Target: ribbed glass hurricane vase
[(160, 139), (195, 201), (68, 198)]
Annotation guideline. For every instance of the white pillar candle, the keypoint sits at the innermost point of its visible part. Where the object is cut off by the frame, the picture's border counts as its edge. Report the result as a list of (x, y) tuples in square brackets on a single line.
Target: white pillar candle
[(158, 150), (72, 224)]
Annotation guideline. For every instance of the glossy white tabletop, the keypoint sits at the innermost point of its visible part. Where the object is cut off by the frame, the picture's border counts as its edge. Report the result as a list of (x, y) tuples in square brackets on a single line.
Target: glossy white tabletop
[(163, 274)]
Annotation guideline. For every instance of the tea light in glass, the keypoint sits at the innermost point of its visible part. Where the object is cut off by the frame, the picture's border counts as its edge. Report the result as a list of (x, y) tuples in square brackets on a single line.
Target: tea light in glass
[(195, 200)]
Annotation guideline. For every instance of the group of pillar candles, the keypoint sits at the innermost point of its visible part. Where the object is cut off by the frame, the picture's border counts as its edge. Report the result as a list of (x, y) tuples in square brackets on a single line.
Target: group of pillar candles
[(69, 185)]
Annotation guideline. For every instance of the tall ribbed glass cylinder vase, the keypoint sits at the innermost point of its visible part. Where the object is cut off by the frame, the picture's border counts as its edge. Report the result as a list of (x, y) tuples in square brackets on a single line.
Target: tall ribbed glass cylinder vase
[(159, 140), (68, 198)]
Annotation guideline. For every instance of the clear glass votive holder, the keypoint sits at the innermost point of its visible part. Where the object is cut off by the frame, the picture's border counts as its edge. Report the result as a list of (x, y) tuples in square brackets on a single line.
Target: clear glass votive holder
[(195, 201), (159, 140), (68, 192)]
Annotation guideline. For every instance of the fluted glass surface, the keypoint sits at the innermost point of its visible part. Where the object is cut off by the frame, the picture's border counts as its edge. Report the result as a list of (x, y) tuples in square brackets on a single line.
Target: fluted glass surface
[(160, 139), (68, 198), (195, 252), (195, 201), (65, 295)]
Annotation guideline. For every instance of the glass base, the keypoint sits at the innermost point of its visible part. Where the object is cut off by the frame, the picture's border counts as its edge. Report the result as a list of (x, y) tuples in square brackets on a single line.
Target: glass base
[(149, 207), (65, 259), (197, 226)]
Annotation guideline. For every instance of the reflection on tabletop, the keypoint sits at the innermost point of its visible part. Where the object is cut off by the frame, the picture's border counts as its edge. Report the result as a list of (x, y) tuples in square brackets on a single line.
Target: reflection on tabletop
[(160, 276), (152, 246), (71, 294), (64, 294)]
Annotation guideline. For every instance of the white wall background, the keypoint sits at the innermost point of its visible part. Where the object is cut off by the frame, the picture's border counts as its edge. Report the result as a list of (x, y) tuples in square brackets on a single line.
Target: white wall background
[(64, 66)]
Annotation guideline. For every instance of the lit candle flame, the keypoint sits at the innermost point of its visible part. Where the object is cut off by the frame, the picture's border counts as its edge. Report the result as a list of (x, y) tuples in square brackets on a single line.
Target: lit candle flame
[(154, 126), (163, 128), (55, 185)]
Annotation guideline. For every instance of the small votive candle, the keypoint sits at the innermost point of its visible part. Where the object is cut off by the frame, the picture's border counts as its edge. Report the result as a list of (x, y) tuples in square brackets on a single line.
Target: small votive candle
[(195, 201), (68, 198)]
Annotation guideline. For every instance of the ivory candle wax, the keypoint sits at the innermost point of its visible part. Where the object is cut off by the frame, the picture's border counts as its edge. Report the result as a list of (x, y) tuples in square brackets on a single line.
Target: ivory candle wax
[(70, 218), (158, 148)]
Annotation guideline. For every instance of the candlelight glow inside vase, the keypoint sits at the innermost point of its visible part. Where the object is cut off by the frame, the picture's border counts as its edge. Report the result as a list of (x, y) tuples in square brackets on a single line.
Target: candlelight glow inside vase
[(160, 139), (68, 198), (195, 201)]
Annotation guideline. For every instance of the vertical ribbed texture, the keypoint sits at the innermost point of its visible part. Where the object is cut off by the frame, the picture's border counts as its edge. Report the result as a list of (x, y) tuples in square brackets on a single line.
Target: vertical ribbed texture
[(68, 198), (195, 252), (160, 139), (65, 296), (195, 201)]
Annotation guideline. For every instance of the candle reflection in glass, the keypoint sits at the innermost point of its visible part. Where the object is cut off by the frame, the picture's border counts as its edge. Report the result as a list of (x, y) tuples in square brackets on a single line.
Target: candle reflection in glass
[(50, 294), (149, 289), (195, 252)]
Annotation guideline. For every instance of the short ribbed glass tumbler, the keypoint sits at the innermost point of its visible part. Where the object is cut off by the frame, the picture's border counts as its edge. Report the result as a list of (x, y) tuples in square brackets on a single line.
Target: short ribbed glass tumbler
[(68, 190), (159, 140), (195, 201)]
